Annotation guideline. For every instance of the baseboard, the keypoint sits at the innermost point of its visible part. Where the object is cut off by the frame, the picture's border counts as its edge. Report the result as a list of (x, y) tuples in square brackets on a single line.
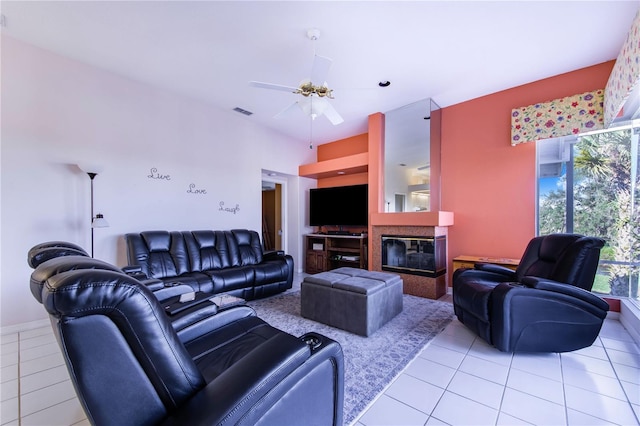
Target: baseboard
[(25, 326)]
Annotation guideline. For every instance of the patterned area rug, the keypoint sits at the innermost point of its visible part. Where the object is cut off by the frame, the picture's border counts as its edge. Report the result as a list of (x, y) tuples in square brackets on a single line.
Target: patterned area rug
[(371, 363)]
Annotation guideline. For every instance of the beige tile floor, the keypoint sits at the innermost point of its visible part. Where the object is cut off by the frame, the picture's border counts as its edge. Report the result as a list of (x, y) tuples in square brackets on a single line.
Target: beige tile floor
[(457, 379)]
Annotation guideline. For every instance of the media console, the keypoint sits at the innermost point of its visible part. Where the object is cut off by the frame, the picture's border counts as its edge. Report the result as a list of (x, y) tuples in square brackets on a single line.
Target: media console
[(325, 252)]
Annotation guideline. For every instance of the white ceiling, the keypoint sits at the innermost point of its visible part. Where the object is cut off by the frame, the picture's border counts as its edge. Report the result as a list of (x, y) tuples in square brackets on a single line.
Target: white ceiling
[(451, 51)]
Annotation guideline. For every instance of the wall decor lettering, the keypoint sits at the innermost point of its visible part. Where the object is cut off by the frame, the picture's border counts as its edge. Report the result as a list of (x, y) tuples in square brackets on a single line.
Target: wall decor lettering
[(193, 190), (233, 210), (155, 175)]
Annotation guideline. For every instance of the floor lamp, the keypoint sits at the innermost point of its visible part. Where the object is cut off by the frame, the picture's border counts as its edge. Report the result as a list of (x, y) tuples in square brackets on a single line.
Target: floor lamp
[(97, 221)]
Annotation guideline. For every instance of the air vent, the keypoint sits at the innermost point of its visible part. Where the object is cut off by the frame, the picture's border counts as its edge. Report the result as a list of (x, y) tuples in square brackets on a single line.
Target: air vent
[(242, 111)]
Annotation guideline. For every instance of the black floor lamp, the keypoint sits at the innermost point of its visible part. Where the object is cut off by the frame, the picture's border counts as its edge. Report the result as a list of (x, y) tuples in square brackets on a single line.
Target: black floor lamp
[(97, 221)]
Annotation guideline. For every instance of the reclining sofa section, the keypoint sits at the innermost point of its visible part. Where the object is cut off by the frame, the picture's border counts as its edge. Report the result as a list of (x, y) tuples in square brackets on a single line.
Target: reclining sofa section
[(211, 261)]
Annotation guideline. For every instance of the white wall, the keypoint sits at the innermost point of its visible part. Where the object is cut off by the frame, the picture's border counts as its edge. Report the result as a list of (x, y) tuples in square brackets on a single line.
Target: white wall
[(57, 113)]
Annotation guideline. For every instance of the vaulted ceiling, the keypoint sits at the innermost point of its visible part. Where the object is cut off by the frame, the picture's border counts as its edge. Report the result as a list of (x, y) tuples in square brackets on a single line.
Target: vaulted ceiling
[(450, 51)]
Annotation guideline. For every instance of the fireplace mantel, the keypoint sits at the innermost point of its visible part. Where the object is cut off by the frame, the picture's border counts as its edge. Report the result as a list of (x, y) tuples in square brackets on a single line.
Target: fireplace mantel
[(419, 224), (437, 218)]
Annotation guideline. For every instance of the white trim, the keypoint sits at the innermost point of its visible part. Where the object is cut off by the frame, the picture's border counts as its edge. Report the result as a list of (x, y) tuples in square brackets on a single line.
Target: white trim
[(283, 181), (630, 318), (25, 326), (613, 316)]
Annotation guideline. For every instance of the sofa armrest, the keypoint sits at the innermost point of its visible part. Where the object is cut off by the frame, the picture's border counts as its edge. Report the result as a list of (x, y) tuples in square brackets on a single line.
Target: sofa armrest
[(569, 318), (132, 270), (151, 283), (205, 318), (167, 292), (510, 274), (174, 305), (273, 254), (239, 390), (570, 290)]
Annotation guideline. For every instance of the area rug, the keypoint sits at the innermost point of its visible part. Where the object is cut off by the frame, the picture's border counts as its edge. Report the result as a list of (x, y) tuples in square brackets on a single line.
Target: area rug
[(371, 363)]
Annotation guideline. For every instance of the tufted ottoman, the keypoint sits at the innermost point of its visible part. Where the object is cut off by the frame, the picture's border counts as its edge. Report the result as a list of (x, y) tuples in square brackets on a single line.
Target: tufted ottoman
[(352, 299)]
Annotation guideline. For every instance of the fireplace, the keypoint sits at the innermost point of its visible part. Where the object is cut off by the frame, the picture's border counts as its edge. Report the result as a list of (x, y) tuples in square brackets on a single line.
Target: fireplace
[(425, 256)]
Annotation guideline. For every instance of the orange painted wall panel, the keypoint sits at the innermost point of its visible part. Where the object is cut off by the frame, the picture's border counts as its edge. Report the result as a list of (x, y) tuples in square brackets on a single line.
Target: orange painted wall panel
[(342, 148), (355, 179), (376, 162), (489, 185)]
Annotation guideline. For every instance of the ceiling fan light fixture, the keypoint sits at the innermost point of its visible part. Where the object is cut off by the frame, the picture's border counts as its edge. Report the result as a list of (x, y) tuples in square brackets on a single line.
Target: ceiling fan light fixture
[(311, 108), (313, 34)]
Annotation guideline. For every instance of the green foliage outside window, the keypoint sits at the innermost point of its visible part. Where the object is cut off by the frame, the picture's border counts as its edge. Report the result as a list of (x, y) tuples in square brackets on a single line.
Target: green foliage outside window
[(606, 203)]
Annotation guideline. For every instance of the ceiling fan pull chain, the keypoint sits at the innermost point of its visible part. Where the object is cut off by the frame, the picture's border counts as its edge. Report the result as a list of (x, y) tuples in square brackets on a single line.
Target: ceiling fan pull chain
[(311, 131)]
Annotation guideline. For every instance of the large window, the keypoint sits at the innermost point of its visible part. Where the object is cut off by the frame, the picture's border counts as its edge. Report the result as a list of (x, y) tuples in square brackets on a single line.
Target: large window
[(589, 184)]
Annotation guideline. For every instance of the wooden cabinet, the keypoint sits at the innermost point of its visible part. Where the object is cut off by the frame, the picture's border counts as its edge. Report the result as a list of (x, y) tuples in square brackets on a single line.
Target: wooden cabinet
[(326, 252), (316, 261)]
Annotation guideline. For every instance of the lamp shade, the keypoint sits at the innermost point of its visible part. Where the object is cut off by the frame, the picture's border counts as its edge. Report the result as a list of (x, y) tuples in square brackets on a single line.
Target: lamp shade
[(99, 222)]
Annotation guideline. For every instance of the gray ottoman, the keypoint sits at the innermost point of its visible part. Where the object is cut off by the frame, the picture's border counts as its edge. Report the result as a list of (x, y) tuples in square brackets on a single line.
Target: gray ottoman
[(352, 299)]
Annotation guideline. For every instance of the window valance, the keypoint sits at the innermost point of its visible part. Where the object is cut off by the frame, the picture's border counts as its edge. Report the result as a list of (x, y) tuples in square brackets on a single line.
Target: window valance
[(625, 74), (559, 117)]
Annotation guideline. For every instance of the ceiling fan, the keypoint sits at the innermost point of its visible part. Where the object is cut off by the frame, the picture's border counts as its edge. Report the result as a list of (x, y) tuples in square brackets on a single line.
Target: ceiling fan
[(315, 92)]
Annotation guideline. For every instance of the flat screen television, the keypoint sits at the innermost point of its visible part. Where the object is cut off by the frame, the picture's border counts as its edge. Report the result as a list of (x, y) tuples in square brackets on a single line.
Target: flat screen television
[(339, 206)]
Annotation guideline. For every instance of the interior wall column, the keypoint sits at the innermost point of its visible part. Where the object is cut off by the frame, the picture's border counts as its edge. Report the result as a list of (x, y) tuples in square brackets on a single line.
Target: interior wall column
[(376, 172)]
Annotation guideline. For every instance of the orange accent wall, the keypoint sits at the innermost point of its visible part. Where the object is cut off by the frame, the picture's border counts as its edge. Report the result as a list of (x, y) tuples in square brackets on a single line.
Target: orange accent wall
[(345, 154), (376, 164), (351, 179), (489, 185), (342, 148)]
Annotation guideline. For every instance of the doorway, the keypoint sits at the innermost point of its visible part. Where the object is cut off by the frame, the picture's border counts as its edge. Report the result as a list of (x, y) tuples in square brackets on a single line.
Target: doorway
[(272, 215)]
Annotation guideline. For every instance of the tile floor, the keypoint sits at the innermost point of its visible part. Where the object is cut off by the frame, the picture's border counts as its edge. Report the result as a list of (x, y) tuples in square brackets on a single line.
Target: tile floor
[(457, 380)]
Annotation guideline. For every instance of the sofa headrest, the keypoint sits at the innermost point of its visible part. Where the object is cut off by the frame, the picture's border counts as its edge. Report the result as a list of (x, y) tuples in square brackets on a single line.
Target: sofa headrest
[(248, 247), (553, 246), (157, 240), (579, 261), (44, 251), (58, 265)]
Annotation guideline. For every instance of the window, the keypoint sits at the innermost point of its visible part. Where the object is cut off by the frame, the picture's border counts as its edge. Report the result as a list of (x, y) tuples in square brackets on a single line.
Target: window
[(589, 184)]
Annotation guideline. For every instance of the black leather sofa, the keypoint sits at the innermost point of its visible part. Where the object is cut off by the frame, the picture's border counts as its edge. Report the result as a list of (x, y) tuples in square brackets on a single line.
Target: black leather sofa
[(545, 305), (211, 261), (130, 366)]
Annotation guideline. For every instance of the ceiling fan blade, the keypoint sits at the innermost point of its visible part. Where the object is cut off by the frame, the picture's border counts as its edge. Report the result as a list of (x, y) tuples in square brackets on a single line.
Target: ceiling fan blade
[(332, 115), (320, 70), (271, 86), (285, 111)]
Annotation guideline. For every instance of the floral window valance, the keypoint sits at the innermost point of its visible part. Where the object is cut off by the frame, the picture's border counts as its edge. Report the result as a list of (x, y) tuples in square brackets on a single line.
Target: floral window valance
[(625, 74), (559, 117)]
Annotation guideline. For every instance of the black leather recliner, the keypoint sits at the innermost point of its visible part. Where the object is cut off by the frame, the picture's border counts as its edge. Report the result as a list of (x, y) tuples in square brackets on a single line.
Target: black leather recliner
[(129, 366), (545, 305), (51, 250)]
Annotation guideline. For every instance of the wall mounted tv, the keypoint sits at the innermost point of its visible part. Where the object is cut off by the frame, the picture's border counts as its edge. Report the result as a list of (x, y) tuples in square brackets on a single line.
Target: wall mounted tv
[(339, 206)]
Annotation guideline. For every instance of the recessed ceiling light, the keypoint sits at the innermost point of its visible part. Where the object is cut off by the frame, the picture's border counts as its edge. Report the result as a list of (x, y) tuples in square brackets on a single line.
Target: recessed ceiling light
[(384, 83), (341, 172)]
